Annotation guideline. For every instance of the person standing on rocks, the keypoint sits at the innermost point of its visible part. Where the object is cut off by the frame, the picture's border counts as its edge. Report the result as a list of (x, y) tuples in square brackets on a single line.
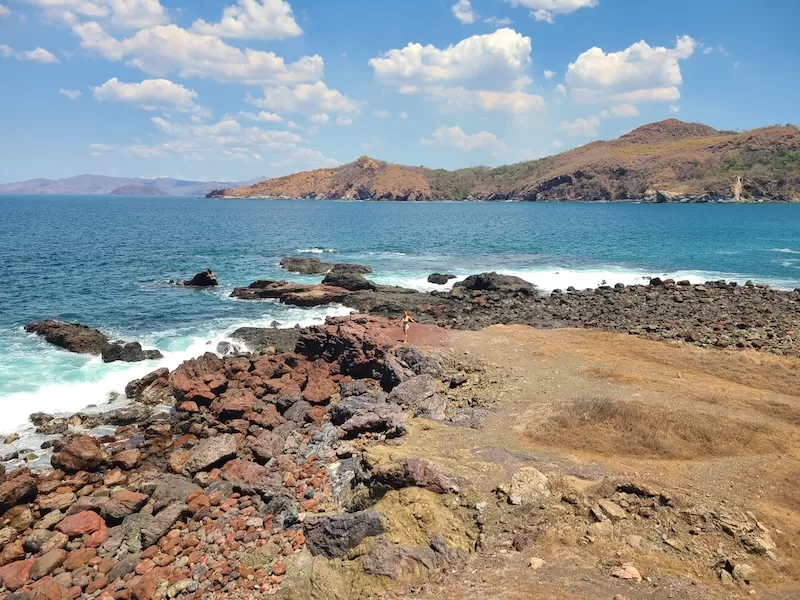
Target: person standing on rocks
[(405, 323)]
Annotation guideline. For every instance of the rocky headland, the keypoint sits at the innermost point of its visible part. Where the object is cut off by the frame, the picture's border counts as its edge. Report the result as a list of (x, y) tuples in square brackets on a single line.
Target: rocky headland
[(667, 161)]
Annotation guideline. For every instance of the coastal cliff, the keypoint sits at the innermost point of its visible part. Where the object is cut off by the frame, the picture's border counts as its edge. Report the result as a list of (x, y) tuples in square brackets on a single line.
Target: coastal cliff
[(661, 162)]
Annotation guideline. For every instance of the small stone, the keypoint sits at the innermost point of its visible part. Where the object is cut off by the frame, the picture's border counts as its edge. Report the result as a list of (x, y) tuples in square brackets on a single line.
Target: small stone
[(744, 573), (627, 571), (536, 563)]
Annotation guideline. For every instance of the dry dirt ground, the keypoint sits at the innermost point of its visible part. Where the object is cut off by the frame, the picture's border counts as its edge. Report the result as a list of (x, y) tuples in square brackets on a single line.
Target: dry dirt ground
[(717, 433)]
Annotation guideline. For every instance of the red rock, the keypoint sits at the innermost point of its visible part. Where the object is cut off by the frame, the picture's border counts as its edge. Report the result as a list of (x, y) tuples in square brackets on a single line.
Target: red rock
[(189, 406), (233, 404), (197, 501), (80, 453), (150, 552), (316, 414), (17, 490), (78, 524), (200, 379), (48, 589), (96, 539), (19, 518), (127, 459), (13, 576), (11, 552), (279, 568), (269, 418), (97, 584), (319, 388), (145, 565), (47, 563), (78, 558)]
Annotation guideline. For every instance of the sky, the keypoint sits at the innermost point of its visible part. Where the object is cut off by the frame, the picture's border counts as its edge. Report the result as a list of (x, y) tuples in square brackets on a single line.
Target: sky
[(237, 89)]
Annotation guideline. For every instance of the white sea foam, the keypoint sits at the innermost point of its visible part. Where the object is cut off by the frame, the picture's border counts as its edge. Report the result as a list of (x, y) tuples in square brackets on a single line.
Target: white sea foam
[(100, 380), (316, 250), (785, 250)]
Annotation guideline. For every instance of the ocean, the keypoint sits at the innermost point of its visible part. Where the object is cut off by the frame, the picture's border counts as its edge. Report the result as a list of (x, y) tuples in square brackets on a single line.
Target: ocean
[(107, 261)]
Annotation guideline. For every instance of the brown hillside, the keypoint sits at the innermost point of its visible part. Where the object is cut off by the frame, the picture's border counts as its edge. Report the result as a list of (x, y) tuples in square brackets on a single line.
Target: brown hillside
[(668, 160)]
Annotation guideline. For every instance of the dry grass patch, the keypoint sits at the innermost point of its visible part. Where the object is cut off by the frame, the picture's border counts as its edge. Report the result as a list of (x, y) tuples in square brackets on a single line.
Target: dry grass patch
[(633, 428), (611, 374)]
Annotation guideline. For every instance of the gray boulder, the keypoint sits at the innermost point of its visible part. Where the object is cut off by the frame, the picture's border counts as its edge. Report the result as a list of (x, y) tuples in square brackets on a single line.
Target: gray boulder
[(419, 394), (334, 536), (210, 452)]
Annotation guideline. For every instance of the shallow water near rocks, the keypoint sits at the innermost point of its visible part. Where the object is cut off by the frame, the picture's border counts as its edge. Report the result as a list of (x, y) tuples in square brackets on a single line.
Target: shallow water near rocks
[(106, 262)]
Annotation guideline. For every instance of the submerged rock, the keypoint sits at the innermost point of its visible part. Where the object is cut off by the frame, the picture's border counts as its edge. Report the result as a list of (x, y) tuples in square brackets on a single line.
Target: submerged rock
[(440, 278), (305, 266), (74, 337)]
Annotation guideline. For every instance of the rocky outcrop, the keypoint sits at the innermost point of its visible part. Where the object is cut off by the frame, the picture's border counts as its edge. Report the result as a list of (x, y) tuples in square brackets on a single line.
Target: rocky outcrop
[(128, 352), (74, 337), (440, 278), (154, 388), (305, 266), (494, 282), (80, 453), (259, 339), (333, 536), (349, 281), (205, 278)]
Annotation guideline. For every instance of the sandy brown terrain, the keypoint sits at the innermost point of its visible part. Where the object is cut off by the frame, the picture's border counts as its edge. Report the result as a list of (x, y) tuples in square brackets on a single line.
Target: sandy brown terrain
[(715, 432)]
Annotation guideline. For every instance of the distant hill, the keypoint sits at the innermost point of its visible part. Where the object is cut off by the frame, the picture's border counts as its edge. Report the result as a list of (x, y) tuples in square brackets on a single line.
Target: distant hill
[(664, 161), (102, 185)]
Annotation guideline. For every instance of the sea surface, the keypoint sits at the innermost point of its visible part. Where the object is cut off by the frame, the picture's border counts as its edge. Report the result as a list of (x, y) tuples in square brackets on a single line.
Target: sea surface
[(107, 261)]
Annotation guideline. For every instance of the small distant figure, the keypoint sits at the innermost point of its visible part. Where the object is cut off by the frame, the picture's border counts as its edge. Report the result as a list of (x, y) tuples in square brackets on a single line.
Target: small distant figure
[(737, 188), (405, 323)]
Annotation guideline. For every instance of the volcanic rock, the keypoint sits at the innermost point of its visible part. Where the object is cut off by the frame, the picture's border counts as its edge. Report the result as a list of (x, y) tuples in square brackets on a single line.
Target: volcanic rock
[(205, 278), (210, 452), (349, 281), (259, 339), (419, 394), (152, 389), (17, 490), (128, 352), (305, 266), (74, 337), (439, 278), (494, 282), (333, 536), (199, 379), (79, 453)]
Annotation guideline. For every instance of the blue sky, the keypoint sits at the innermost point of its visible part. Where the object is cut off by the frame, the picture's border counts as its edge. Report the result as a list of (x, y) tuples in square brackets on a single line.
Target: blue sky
[(237, 89)]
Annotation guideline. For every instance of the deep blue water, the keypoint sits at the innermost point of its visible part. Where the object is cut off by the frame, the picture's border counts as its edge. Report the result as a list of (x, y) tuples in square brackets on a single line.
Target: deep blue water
[(105, 261)]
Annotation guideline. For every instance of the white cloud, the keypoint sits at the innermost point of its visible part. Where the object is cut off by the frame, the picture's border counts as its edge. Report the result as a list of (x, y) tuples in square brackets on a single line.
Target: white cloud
[(546, 10), (253, 19), (4, 11), (344, 121), (640, 73), (38, 54), (293, 125), (403, 114), (498, 22), (483, 72), (306, 99), (382, 114), (587, 126), (561, 89), (708, 50), (167, 48), (319, 119), (150, 94), (548, 74), (457, 138), (582, 127), (71, 94), (462, 10), (557, 143), (674, 109), (123, 14), (624, 110), (491, 61), (263, 116)]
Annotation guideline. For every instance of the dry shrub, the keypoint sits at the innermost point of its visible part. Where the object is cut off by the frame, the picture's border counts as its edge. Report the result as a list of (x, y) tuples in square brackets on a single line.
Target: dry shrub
[(632, 428), (781, 411), (614, 375)]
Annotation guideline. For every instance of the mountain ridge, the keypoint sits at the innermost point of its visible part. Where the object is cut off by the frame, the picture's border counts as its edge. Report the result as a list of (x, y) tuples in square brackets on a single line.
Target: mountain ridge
[(86, 184), (662, 161)]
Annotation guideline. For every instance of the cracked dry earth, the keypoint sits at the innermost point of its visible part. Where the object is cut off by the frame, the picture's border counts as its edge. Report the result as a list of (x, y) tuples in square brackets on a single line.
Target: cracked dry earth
[(671, 464)]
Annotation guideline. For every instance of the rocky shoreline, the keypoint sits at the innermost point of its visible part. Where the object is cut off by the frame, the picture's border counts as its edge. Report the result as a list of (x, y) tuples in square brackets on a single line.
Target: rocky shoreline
[(255, 474)]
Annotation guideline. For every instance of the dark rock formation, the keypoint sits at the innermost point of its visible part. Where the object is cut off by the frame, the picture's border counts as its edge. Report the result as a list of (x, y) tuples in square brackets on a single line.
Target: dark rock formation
[(439, 278), (259, 339), (349, 281), (334, 536), (74, 337), (128, 352), (205, 278), (494, 282), (80, 453), (305, 266)]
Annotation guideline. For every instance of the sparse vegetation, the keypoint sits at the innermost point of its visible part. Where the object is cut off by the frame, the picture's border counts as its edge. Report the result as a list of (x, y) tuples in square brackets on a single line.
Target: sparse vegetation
[(633, 428)]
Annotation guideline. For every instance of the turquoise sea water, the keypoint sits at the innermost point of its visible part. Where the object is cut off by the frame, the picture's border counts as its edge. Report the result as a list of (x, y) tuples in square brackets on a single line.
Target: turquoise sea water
[(105, 261)]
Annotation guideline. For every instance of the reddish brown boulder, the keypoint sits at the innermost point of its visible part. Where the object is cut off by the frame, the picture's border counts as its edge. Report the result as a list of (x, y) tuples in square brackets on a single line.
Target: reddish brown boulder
[(13, 576), (233, 404), (267, 446), (70, 336), (153, 388), (267, 418), (78, 524), (47, 563), (317, 295), (78, 558), (19, 518), (265, 289), (49, 589), (319, 388), (200, 379), (80, 453), (11, 552), (127, 459), (17, 490)]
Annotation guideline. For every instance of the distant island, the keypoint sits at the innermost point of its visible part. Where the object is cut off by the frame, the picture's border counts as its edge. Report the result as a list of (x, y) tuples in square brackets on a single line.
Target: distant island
[(117, 186), (667, 161)]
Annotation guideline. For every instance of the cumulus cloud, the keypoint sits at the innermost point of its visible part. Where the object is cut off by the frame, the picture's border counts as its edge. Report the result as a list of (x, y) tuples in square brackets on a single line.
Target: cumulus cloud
[(561, 89), (482, 72), (150, 94), (548, 74), (4, 11), (253, 19), (71, 94), (123, 14), (640, 73), (546, 10), (319, 119), (498, 21), (462, 10), (557, 143), (674, 109), (306, 99), (587, 126), (263, 116), (457, 138), (38, 54), (402, 114), (166, 49)]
